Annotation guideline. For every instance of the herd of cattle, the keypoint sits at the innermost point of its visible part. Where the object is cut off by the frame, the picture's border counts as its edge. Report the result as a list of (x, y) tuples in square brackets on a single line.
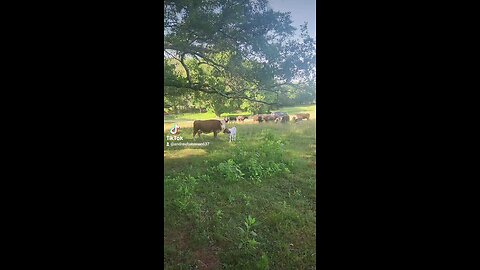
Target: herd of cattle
[(275, 117), (217, 126)]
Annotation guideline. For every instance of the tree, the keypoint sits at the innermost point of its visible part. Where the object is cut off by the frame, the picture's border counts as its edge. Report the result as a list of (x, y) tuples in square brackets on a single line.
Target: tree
[(235, 49)]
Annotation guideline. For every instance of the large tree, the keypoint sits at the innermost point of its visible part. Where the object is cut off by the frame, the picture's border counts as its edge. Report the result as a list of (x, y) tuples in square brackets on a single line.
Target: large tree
[(236, 49)]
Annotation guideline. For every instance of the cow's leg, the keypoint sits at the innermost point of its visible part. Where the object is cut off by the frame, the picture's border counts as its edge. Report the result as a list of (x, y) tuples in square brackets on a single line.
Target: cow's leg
[(194, 133), (214, 134)]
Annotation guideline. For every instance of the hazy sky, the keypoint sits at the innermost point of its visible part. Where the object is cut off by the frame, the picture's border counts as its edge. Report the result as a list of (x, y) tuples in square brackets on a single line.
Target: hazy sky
[(301, 11)]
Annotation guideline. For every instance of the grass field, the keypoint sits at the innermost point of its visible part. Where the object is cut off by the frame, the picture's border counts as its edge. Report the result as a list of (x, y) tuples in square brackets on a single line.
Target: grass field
[(249, 204)]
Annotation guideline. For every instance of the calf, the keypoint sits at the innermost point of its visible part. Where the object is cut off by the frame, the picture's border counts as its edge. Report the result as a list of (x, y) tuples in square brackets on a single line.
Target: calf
[(207, 126), (232, 132)]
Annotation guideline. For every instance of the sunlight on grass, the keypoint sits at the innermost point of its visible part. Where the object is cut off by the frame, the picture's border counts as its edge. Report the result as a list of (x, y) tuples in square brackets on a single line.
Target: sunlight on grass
[(183, 153)]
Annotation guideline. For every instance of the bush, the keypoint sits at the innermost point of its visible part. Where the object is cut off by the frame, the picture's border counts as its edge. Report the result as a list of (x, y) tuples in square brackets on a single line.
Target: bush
[(253, 161), (257, 162), (230, 170), (254, 169)]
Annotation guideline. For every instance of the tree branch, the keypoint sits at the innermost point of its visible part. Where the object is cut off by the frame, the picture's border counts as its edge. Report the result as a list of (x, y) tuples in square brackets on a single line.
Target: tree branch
[(210, 90), (182, 58)]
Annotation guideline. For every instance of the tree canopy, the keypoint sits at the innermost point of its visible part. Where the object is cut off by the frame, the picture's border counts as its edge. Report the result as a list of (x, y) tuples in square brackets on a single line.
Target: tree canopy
[(235, 50)]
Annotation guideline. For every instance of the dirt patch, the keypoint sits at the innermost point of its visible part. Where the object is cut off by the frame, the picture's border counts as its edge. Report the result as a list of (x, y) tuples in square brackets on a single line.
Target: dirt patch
[(207, 258), (179, 239)]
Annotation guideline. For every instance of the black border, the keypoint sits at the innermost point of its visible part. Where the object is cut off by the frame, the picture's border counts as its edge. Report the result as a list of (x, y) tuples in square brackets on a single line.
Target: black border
[(91, 186)]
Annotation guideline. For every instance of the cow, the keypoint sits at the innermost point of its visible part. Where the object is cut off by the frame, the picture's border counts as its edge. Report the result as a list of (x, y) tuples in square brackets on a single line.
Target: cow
[(241, 118), (207, 126), (232, 118), (232, 132), (257, 118), (301, 116), (268, 117), (281, 117)]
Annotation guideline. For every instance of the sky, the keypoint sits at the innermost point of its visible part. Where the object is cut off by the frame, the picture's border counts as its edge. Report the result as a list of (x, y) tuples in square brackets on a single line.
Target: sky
[(301, 11)]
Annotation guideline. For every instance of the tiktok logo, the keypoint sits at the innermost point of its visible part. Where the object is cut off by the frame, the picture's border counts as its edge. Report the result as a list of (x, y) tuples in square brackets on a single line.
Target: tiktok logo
[(175, 129)]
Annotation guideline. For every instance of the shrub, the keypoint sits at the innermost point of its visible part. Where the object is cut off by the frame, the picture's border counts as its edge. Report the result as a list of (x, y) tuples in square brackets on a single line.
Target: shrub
[(230, 170), (254, 169), (257, 161)]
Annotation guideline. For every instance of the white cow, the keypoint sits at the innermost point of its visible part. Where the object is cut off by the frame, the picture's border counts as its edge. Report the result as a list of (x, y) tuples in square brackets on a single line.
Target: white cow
[(233, 134)]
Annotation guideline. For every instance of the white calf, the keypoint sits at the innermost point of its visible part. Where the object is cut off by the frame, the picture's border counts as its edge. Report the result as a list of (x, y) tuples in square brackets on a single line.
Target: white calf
[(233, 134)]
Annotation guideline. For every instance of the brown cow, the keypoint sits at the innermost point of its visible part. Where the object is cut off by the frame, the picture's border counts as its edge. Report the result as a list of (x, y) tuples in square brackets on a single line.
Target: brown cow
[(257, 118), (241, 118), (207, 126), (301, 116), (268, 117)]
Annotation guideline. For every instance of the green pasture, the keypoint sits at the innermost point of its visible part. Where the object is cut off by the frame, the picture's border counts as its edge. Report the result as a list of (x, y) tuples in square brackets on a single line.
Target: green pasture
[(249, 204)]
